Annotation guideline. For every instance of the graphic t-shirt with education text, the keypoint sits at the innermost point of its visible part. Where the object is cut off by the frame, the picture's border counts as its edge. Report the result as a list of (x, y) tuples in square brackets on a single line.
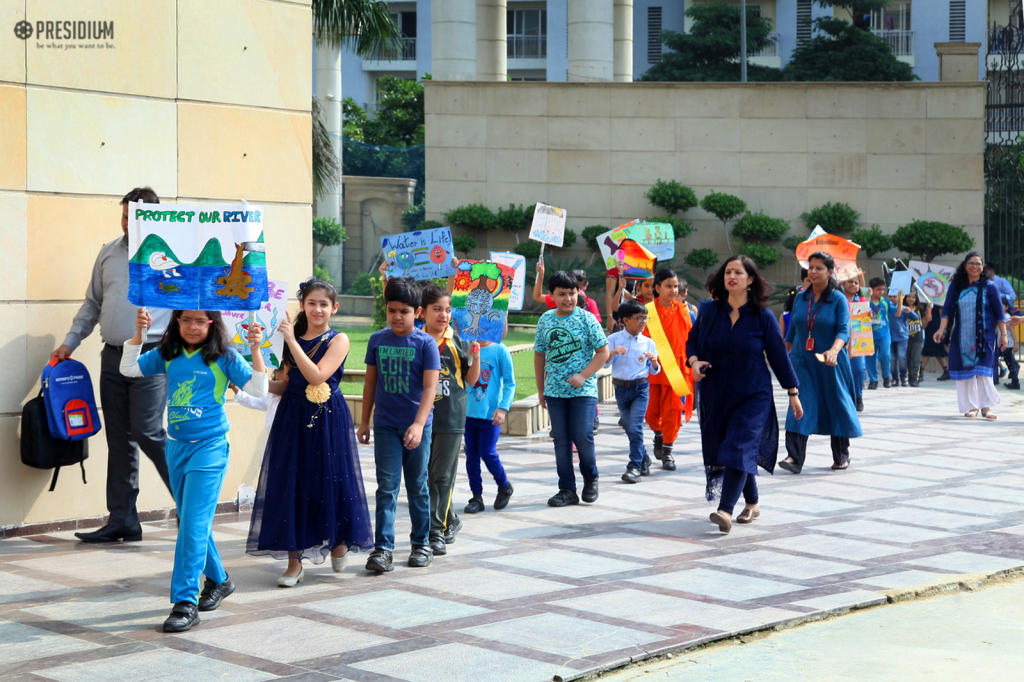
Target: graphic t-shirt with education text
[(400, 363)]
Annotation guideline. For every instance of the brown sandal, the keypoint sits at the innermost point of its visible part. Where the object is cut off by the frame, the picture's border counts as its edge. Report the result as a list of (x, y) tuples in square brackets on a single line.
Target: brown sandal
[(748, 515)]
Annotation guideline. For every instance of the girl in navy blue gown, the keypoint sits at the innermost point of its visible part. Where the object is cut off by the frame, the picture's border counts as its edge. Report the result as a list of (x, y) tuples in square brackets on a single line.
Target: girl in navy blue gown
[(310, 500), (734, 333)]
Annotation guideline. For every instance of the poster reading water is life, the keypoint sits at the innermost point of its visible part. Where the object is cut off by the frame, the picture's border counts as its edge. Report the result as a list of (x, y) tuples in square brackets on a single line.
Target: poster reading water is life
[(423, 254), (191, 257), (480, 299), (862, 340), (269, 315), (548, 224)]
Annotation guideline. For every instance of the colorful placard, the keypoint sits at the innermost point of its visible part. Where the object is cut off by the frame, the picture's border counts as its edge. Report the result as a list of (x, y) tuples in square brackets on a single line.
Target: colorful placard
[(862, 338), (548, 225), (480, 297), (192, 257), (658, 238), (634, 261), (517, 262), (934, 280), (423, 254), (269, 316), (843, 252)]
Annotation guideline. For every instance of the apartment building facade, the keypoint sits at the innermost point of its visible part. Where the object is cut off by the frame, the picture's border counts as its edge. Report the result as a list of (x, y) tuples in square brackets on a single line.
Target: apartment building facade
[(537, 36)]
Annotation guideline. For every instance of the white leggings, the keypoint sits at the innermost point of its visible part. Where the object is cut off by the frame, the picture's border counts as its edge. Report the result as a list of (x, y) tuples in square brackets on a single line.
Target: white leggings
[(976, 393)]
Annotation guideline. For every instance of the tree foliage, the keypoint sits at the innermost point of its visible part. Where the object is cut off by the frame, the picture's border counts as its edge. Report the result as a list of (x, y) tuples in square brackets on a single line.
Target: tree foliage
[(929, 239), (364, 25), (326, 232), (762, 254), (413, 216), (833, 217), (843, 52), (792, 241), (872, 241), (326, 169), (590, 235), (476, 217), (710, 51), (396, 122), (514, 218), (702, 259), (723, 206), (464, 244), (760, 227), (671, 196)]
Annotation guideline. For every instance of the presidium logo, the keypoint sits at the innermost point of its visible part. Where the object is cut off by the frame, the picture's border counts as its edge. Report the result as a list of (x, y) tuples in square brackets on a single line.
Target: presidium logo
[(67, 34)]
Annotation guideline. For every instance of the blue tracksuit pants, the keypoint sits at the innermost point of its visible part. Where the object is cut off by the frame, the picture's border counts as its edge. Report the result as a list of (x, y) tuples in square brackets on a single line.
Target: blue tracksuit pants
[(197, 472)]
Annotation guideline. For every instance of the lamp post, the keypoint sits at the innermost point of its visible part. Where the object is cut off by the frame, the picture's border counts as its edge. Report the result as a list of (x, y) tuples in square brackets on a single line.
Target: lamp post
[(743, 41)]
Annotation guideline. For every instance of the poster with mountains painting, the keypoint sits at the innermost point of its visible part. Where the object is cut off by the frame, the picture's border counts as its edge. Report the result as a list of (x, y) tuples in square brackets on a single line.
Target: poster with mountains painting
[(191, 257)]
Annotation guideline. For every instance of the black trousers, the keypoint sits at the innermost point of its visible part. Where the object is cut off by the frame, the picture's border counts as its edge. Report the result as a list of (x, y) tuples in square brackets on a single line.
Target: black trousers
[(133, 417), (796, 448)]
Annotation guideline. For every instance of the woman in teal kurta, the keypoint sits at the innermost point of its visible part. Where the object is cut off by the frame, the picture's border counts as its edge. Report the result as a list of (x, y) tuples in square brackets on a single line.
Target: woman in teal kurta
[(821, 314)]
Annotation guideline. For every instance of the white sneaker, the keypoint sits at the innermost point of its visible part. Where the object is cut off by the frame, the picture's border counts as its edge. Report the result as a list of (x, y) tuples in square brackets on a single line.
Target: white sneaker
[(338, 563), (291, 580)]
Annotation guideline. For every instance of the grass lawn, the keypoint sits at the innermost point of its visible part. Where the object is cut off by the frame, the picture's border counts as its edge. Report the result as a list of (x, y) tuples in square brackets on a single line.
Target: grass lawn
[(522, 362)]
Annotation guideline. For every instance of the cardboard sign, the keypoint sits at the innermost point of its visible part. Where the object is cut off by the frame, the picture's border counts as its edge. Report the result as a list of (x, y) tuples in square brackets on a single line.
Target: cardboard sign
[(480, 298), (657, 238), (548, 225), (518, 263), (934, 280), (901, 280), (269, 316), (843, 252), (191, 257), (862, 338), (634, 261), (424, 254)]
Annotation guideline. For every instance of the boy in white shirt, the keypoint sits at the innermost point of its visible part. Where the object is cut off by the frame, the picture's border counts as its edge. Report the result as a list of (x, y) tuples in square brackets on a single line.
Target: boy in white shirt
[(633, 358), (267, 403)]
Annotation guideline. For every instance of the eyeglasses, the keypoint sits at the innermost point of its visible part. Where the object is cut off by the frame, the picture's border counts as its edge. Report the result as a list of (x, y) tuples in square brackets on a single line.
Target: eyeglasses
[(975, 264), (197, 323), (638, 318)]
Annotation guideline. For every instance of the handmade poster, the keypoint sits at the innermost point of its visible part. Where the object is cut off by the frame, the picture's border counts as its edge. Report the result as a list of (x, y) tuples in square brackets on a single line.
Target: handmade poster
[(480, 299), (514, 260), (269, 315), (424, 254), (548, 224), (191, 257), (634, 261), (862, 339), (901, 280), (843, 252), (933, 279), (658, 238)]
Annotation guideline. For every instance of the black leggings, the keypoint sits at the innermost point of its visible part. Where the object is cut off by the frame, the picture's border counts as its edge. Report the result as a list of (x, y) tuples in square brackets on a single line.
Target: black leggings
[(733, 482), (796, 448)]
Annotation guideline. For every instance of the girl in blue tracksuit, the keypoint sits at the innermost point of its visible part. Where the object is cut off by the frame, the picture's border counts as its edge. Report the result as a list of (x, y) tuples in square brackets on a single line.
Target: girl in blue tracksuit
[(486, 407), (199, 364)]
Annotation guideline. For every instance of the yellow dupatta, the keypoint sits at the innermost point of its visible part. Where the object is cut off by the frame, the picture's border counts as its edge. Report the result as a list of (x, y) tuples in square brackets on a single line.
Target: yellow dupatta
[(666, 354)]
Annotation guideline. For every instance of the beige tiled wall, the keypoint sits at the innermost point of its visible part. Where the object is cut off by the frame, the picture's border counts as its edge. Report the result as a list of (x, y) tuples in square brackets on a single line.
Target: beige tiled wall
[(895, 152), (203, 102)]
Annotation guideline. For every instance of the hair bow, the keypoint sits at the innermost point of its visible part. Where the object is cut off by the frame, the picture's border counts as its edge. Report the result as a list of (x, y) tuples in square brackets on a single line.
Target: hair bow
[(302, 287)]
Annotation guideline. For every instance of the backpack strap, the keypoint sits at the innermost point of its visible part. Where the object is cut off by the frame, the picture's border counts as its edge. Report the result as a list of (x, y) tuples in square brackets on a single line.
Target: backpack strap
[(81, 463), (53, 481)]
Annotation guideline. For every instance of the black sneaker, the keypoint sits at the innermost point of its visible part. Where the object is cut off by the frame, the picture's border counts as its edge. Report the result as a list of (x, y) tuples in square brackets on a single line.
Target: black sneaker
[(379, 561), (183, 616), (590, 491), (645, 466), (454, 527), (504, 495), (213, 594), (632, 474), (438, 546), (668, 462), (860, 403), (872, 385), (1015, 385), (475, 506), (420, 556), (886, 382), (656, 448), (944, 376), (904, 383), (597, 423), (563, 498)]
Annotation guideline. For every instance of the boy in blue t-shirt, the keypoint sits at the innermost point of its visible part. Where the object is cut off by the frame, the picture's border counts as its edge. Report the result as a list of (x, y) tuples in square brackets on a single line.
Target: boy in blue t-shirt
[(569, 350), (402, 370), (880, 309)]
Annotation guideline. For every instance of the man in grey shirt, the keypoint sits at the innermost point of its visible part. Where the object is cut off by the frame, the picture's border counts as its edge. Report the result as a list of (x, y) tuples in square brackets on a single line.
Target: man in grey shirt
[(133, 408)]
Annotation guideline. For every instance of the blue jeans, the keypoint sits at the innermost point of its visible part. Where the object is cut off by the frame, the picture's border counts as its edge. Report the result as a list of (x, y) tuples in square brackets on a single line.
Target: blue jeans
[(632, 402), (899, 359), (881, 357), (735, 481), (391, 459), (197, 473), (572, 421), (481, 439), (857, 366)]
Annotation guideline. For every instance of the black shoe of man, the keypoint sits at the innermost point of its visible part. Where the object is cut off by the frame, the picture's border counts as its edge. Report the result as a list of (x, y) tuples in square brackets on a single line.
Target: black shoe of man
[(668, 462), (454, 527), (504, 495), (183, 616), (563, 498), (475, 506), (379, 561), (110, 533), (590, 491), (645, 466), (213, 594), (438, 546), (632, 474), (420, 556)]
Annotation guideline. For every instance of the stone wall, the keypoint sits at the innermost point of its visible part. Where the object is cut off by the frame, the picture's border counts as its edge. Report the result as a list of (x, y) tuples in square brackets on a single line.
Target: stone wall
[(895, 152), (205, 102)]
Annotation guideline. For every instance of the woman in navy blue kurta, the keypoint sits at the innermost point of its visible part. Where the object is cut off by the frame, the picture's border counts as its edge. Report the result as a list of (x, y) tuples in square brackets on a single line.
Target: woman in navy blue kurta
[(821, 314), (738, 424)]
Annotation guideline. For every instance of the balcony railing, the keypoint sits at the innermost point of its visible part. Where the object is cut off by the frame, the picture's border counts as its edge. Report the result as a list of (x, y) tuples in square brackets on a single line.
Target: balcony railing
[(527, 47), (901, 42), (407, 53), (769, 50), (1005, 40)]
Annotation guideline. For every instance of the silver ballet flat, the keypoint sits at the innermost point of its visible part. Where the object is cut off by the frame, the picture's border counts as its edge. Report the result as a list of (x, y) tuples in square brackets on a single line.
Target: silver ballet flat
[(291, 580), (338, 563)]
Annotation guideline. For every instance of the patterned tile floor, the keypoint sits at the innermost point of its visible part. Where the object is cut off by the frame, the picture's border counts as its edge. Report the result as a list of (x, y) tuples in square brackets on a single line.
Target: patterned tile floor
[(533, 592)]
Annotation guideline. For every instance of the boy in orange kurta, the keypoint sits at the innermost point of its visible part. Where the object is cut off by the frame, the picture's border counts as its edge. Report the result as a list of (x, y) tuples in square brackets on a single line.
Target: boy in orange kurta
[(665, 408)]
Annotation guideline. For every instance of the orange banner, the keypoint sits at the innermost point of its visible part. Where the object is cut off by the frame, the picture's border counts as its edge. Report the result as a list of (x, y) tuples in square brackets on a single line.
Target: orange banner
[(843, 251)]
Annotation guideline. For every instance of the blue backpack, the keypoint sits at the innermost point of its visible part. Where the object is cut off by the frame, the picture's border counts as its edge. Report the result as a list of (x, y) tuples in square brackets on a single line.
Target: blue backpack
[(70, 403)]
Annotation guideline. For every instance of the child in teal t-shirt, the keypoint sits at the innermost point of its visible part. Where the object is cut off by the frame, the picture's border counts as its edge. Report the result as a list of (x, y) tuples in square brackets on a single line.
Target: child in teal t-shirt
[(569, 350)]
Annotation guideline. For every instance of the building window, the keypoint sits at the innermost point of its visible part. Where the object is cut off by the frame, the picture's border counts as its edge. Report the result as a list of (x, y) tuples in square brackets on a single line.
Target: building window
[(803, 21), (527, 33), (895, 17), (957, 21), (653, 35)]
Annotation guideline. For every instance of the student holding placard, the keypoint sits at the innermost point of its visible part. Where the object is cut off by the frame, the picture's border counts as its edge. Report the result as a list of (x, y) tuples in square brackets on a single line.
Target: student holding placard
[(880, 309)]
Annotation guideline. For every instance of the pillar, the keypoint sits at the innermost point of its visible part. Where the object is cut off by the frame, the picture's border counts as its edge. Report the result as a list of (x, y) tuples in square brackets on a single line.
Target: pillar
[(453, 40), (958, 62), (623, 41), (491, 36), (591, 38), (328, 93)]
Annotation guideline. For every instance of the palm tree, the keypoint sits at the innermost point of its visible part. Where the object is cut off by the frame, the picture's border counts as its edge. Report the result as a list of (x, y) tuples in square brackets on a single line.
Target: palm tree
[(367, 27)]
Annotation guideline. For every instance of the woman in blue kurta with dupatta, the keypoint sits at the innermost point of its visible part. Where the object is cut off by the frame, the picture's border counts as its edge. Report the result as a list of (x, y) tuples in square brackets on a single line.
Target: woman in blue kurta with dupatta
[(727, 346), (818, 332), (973, 304)]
